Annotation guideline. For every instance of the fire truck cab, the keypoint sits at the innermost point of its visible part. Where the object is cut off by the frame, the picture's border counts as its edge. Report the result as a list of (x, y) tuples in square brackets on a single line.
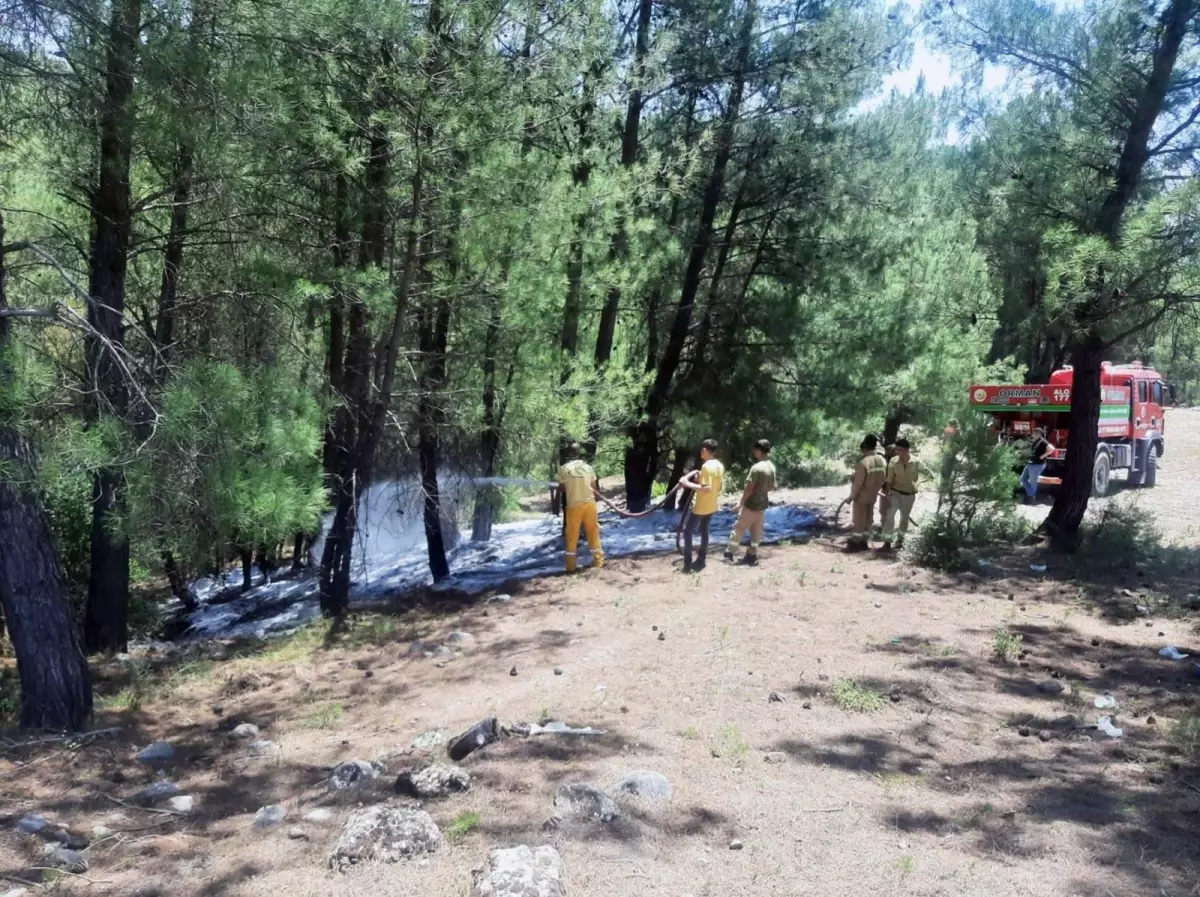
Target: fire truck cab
[(1132, 427)]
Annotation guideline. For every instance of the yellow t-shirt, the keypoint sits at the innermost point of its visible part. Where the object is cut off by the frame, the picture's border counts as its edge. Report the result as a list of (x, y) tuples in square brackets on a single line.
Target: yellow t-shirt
[(576, 479), (711, 474)]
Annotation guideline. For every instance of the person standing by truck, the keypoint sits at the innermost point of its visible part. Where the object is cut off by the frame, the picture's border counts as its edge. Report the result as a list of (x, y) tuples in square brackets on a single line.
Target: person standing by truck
[(707, 483), (1039, 451), (901, 486), (577, 487), (868, 479), (753, 504)]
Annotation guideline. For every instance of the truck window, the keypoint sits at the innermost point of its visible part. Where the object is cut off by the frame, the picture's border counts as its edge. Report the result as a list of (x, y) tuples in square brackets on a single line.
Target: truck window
[(1156, 392), (1141, 390)]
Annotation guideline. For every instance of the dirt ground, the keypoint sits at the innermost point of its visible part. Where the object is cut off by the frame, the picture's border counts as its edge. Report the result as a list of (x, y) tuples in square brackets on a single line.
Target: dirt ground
[(907, 756)]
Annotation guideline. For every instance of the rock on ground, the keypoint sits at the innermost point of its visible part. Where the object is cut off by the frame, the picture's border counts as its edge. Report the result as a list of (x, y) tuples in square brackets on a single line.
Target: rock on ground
[(270, 816), (460, 640), (435, 780), (157, 793), (244, 732), (155, 753), (643, 784), (430, 741), (184, 803), (66, 859), (384, 835), (320, 815), (584, 802), (352, 774), (521, 872)]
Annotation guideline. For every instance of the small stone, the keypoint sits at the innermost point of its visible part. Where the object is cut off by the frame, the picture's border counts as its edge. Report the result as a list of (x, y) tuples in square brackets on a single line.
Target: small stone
[(513, 671), (499, 599), (807, 705), (823, 677), (662, 636), (295, 833), (1045, 735), (1157, 778), (384, 835), (184, 803), (217, 709), (158, 752), (776, 757), (460, 640), (244, 732), (878, 604), (654, 629), (1095, 643), (157, 793), (429, 741), (270, 816), (735, 844), (521, 872), (776, 698), (1051, 687), (643, 784), (66, 859), (896, 697), (1024, 731), (435, 780), (1150, 721), (558, 671), (319, 815), (624, 709), (31, 823), (260, 747), (101, 831), (368, 674), (352, 774), (585, 802)]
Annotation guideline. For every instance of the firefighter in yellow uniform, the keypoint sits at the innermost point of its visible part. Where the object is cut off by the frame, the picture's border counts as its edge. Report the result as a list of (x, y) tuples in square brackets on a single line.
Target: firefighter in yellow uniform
[(576, 482), (869, 475)]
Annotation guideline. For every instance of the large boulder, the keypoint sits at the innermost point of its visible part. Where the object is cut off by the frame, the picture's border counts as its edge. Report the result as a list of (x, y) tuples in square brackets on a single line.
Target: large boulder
[(433, 781), (384, 835), (521, 872)]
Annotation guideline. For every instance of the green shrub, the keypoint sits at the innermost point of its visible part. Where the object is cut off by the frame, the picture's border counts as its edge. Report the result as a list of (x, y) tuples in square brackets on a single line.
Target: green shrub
[(976, 480), (1119, 532)]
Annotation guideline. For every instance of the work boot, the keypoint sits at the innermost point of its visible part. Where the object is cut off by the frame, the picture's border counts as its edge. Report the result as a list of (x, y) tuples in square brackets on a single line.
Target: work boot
[(728, 556), (698, 566), (854, 546), (750, 560)]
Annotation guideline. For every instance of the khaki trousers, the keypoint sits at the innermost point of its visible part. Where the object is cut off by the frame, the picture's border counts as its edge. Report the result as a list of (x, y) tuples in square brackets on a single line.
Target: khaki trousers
[(863, 513), (903, 504), (748, 522)]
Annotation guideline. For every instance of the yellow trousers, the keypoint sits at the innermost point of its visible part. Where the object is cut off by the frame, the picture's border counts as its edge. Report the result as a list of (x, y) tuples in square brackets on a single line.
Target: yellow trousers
[(584, 516)]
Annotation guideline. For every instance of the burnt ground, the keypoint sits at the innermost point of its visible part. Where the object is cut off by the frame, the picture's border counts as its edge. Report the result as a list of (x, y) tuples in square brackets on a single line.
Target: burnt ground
[(937, 735)]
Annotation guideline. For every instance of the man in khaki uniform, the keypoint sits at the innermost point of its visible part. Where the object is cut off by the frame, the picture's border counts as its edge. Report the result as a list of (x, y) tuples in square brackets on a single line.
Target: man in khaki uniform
[(901, 484), (753, 505), (869, 475), (577, 484)]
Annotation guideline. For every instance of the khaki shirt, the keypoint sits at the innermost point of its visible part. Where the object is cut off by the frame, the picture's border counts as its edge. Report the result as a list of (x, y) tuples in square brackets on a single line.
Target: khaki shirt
[(869, 475), (902, 477), (576, 478)]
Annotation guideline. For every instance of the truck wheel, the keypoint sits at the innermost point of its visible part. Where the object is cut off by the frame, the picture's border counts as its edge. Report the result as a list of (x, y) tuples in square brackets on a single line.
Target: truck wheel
[(1151, 468), (1101, 474)]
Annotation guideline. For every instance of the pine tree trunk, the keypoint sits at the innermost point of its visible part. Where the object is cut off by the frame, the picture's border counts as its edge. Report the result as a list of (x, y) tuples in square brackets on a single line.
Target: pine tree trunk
[(105, 624), (177, 581), (168, 294), (1083, 423), (56, 685), (580, 175), (434, 331), (641, 458)]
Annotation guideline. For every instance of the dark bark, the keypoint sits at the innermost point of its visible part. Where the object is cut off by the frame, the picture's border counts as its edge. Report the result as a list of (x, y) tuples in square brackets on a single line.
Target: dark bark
[(56, 685), (434, 329), (246, 553), (300, 544), (105, 626), (168, 293), (897, 417), (619, 248), (1071, 503), (177, 581), (641, 458), (580, 175), (1087, 347)]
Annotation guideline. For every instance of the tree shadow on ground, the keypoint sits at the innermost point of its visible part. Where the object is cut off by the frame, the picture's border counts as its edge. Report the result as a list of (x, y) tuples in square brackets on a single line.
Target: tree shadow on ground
[(1136, 797)]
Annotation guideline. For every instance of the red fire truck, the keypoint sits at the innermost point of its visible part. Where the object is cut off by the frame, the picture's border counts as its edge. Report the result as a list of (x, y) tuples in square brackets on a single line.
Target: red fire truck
[(1132, 427)]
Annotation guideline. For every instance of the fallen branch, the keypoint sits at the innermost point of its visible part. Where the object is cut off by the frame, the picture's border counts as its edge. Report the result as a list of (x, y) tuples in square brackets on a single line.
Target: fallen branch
[(75, 737)]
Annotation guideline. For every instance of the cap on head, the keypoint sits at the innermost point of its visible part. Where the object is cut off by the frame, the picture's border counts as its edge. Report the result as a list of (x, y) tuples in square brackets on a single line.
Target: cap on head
[(902, 443), (764, 446), (869, 443)]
